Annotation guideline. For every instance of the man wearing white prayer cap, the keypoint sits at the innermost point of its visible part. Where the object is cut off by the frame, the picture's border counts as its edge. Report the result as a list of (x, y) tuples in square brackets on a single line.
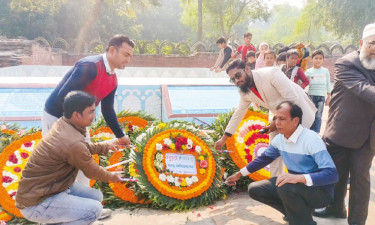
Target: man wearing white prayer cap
[(350, 129)]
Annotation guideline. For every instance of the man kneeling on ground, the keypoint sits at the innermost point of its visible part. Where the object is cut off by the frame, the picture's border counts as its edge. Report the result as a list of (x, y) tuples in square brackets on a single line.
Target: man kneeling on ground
[(312, 173), (47, 192)]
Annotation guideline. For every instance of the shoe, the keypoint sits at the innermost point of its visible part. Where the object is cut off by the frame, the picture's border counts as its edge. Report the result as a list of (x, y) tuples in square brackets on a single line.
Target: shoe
[(285, 219), (329, 212), (105, 214)]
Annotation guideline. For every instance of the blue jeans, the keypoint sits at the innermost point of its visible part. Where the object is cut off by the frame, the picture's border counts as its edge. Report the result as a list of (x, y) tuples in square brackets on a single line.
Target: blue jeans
[(76, 205), (319, 104)]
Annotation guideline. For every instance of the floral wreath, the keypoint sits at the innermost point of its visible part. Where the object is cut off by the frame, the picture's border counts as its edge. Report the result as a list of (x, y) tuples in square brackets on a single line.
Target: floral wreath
[(123, 190), (5, 216), (247, 143), (12, 161), (172, 188), (131, 124)]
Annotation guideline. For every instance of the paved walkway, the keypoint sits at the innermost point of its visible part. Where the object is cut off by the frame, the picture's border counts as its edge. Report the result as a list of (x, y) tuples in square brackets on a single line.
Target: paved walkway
[(236, 209)]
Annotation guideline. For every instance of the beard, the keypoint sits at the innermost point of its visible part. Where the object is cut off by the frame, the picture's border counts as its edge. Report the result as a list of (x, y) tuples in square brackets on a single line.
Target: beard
[(366, 62), (245, 87)]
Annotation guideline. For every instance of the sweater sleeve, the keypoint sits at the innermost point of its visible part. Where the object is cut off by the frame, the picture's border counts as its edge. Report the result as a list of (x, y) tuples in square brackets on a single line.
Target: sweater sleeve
[(303, 78), (79, 156), (263, 160), (326, 173), (109, 114), (82, 75)]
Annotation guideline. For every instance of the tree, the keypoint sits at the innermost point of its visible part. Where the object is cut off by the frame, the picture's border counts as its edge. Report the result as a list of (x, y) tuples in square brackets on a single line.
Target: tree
[(347, 17), (129, 8), (221, 16)]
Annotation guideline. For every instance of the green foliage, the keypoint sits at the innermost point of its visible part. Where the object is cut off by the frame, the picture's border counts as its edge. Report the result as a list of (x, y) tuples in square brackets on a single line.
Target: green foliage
[(345, 17), (220, 17), (98, 49)]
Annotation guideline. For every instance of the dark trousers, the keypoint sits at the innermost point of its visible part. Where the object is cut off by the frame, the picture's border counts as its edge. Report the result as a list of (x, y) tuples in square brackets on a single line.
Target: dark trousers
[(296, 201), (357, 163)]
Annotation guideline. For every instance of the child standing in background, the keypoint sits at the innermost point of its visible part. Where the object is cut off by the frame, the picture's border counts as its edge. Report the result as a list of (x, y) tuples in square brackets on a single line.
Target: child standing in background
[(260, 63), (247, 46), (224, 55), (292, 71), (250, 60), (269, 58), (320, 86)]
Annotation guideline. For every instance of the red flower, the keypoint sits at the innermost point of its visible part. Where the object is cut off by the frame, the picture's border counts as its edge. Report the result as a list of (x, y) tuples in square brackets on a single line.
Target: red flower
[(13, 158), (28, 144), (249, 158), (247, 151), (24, 155), (17, 169), (130, 128), (178, 146), (203, 164), (165, 147), (179, 179), (13, 194), (182, 140), (249, 141), (7, 179)]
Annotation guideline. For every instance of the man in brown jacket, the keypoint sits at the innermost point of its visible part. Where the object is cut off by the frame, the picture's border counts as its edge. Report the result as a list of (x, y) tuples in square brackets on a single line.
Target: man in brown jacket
[(47, 192), (350, 130)]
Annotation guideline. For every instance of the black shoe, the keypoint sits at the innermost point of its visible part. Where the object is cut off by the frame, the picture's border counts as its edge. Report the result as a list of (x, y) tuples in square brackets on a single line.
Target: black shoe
[(330, 212)]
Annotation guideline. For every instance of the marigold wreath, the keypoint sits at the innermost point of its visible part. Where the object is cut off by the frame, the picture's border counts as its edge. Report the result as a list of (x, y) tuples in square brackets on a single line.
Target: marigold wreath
[(171, 188), (245, 144), (12, 161)]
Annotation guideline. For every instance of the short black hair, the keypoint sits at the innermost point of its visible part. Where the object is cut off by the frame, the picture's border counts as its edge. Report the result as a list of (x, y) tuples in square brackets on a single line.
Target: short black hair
[(221, 40), (270, 52), (292, 52), (295, 110), (284, 49), (248, 34), (281, 57), (117, 41), (77, 101), (317, 52), (249, 54), (238, 63)]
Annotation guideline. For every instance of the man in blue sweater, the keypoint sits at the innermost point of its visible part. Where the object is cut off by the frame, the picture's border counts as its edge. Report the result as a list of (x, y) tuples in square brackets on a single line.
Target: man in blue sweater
[(96, 76), (311, 172)]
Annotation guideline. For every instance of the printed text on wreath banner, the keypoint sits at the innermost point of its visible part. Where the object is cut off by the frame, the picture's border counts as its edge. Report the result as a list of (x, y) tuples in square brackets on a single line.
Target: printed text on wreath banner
[(180, 163)]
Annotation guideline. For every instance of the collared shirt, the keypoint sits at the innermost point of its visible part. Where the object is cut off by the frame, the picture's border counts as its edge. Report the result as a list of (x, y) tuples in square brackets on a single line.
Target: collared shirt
[(107, 66), (294, 137)]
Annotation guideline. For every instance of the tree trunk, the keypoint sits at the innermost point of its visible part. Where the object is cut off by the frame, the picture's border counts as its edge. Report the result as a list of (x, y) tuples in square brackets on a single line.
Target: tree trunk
[(87, 26), (200, 9)]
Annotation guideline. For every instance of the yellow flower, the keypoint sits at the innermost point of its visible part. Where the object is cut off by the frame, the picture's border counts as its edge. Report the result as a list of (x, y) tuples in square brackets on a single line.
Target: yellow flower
[(161, 125), (172, 146), (183, 183), (201, 157), (224, 196), (184, 147), (202, 171)]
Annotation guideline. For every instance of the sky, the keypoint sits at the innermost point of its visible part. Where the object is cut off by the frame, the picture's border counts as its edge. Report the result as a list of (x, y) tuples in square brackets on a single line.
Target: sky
[(297, 3)]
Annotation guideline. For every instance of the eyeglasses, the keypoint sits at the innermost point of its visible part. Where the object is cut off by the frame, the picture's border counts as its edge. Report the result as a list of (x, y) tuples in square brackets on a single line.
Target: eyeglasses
[(236, 76)]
